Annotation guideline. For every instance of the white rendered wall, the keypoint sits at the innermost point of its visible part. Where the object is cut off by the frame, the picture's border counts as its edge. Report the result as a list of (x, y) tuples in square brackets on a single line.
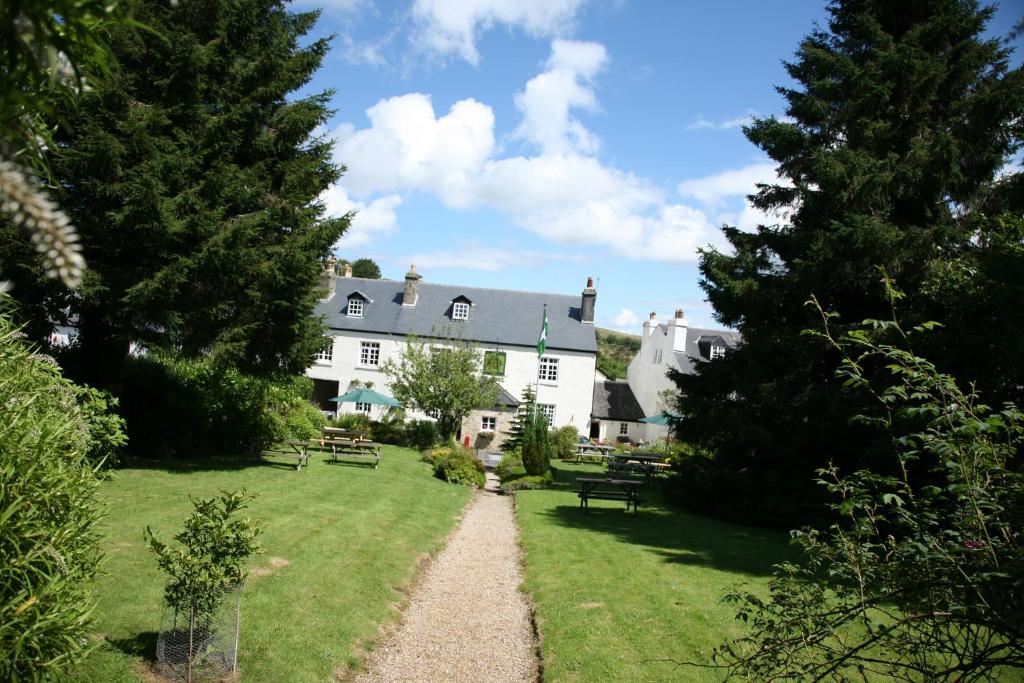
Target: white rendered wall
[(648, 378), (572, 394)]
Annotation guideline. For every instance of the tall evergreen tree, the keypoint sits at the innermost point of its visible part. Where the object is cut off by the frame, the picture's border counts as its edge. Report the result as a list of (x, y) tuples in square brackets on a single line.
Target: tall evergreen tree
[(902, 116), (194, 182), (517, 425)]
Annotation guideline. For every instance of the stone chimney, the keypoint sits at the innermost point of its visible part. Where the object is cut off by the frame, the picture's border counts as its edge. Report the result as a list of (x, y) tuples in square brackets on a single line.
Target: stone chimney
[(677, 330), (348, 269), (587, 304), (411, 278), (327, 279)]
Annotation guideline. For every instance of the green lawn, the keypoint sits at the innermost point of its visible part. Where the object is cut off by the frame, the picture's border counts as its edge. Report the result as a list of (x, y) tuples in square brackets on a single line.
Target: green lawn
[(338, 540), (614, 591)]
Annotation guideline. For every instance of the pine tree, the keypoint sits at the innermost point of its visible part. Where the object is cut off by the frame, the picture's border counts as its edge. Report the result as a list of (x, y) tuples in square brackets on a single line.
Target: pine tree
[(527, 407), (902, 115), (194, 182)]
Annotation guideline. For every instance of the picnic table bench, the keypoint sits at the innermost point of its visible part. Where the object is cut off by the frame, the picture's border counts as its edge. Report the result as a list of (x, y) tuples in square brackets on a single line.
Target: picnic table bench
[(295, 448), (592, 450), (645, 462), (349, 444), (628, 491)]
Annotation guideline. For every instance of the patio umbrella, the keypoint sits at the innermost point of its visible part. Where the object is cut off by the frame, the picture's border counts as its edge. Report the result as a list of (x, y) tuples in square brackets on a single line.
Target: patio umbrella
[(365, 395), (661, 419)]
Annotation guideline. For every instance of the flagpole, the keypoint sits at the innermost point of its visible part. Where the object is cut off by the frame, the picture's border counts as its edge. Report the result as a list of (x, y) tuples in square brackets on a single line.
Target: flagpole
[(542, 342)]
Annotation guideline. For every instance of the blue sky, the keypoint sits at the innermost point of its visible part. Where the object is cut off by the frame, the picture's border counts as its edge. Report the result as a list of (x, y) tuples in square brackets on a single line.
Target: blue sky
[(529, 144)]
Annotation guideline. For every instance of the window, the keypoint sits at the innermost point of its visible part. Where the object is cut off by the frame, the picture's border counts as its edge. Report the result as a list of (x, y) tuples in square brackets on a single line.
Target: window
[(656, 356), (363, 408), (326, 352), (494, 363), (717, 352), (488, 423), (460, 310), (548, 411), (434, 413), (355, 308), (369, 353), (548, 369), (623, 428)]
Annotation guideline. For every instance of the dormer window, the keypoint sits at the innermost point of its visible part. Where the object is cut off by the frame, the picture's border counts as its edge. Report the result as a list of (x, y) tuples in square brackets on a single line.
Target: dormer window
[(717, 352), (460, 308), (357, 304)]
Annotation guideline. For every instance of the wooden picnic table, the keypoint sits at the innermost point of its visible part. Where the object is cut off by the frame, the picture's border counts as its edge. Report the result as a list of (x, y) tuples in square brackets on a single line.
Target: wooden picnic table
[(592, 450), (294, 448), (349, 448), (606, 488), (646, 462)]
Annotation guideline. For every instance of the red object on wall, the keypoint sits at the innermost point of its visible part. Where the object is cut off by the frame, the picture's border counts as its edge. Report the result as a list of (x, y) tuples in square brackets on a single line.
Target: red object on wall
[(465, 442)]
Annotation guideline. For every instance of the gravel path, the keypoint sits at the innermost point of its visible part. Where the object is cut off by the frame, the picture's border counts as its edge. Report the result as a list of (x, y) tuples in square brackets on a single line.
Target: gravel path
[(467, 619)]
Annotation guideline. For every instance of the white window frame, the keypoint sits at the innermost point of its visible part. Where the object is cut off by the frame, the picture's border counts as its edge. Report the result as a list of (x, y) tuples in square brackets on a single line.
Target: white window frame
[(460, 310), (369, 354), (548, 411), (326, 353), (363, 408), (716, 351), (623, 429), (355, 307), (548, 370), (488, 423)]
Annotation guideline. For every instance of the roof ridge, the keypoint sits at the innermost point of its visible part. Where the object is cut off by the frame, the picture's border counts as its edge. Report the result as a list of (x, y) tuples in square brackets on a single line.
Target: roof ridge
[(424, 283)]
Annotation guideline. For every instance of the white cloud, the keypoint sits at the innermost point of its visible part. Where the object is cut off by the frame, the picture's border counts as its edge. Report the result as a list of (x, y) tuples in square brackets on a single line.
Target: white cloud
[(714, 189), (626, 320), (701, 123), (371, 220), (563, 193), (487, 258), (549, 98), (452, 26)]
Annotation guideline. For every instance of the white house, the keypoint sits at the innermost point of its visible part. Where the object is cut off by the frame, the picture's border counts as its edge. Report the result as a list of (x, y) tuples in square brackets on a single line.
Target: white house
[(369, 321), (675, 345)]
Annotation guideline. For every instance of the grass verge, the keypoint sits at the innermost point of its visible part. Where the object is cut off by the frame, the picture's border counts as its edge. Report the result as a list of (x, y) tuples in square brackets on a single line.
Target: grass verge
[(618, 595), (338, 538)]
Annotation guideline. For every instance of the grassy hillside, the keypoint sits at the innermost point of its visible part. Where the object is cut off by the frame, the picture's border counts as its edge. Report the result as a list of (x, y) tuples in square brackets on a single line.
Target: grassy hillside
[(614, 351)]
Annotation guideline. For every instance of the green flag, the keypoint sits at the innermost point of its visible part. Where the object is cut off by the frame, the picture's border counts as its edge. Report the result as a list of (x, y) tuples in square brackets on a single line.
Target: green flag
[(542, 342)]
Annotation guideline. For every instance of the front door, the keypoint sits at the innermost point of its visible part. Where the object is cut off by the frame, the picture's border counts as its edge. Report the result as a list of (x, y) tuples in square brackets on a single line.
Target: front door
[(595, 429)]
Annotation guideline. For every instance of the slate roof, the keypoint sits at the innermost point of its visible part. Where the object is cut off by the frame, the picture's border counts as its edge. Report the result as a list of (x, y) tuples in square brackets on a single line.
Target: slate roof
[(695, 339), (497, 316), (614, 400), (506, 399)]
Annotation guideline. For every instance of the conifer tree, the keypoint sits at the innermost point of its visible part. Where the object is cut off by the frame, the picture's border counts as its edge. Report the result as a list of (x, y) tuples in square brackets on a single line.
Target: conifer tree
[(194, 176), (527, 407), (901, 117)]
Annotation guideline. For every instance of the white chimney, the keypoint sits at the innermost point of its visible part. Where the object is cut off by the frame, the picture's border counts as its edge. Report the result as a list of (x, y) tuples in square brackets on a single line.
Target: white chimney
[(677, 331)]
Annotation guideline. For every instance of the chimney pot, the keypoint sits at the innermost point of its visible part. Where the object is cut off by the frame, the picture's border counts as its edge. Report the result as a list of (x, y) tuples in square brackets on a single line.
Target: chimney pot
[(653, 316), (587, 302), (411, 278), (679, 313)]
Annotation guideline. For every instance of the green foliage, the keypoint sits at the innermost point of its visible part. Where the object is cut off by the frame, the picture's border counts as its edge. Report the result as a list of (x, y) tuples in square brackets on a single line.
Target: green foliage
[(896, 125), (225, 410), (421, 434), (442, 378), (614, 352), (210, 559), (526, 483), (564, 441), (536, 445), (193, 174), (50, 444), (921, 579), (527, 405), (364, 267), (351, 421), (457, 465), (511, 463)]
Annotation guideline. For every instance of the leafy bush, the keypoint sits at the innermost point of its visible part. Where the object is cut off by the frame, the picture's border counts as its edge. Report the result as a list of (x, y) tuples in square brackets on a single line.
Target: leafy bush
[(528, 482), (564, 441), (388, 432), (510, 463), (923, 577), (352, 421), (421, 434), (174, 406), (106, 428), (457, 465), (304, 421), (50, 437)]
